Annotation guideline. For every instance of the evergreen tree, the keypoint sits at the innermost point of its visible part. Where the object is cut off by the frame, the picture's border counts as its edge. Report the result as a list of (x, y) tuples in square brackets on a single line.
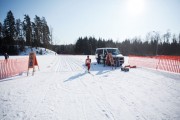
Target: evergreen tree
[(34, 39), (13, 32), (27, 27), (173, 47), (38, 31), (1, 38), (1, 34), (19, 35), (17, 31), (125, 47), (45, 33), (1, 30), (78, 46), (9, 29)]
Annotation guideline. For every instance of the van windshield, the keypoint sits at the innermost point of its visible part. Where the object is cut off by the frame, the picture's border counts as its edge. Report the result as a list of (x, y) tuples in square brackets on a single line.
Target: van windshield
[(113, 51)]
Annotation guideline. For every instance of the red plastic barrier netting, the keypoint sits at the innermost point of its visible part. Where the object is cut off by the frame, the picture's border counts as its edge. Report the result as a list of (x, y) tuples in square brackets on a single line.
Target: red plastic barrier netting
[(167, 63), (13, 67)]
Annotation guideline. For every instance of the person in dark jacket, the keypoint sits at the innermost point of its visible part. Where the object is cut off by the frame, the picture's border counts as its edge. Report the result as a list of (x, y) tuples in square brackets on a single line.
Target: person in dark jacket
[(6, 56), (104, 58), (99, 58)]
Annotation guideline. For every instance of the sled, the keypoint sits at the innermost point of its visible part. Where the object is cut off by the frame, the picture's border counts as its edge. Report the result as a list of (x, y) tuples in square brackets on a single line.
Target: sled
[(129, 66), (125, 69)]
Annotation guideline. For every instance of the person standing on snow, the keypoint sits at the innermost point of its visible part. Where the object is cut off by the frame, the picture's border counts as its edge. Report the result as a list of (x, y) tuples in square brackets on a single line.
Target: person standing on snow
[(99, 58), (104, 58), (88, 62), (6, 56)]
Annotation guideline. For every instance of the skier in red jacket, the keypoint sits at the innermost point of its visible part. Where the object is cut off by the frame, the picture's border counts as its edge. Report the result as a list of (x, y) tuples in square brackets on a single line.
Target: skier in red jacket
[(88, 62)]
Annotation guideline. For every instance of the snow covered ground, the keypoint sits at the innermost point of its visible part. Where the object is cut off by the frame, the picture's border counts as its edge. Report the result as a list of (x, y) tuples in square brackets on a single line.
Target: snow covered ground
[(63, 90)]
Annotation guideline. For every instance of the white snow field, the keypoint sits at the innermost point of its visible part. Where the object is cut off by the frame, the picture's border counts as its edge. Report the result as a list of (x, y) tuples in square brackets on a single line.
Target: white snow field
[(63, 90)]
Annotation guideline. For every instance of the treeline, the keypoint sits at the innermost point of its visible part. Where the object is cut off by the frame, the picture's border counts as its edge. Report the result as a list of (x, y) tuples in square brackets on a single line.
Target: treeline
[(154, 44), (15, 34)]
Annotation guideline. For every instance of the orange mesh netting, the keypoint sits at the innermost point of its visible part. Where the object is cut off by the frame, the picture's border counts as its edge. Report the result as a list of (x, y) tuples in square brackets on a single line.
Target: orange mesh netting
[(13, 67), (167, 63)]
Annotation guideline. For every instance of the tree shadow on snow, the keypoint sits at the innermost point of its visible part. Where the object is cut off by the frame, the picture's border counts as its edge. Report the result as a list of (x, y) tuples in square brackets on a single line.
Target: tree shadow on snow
[(75, 76)]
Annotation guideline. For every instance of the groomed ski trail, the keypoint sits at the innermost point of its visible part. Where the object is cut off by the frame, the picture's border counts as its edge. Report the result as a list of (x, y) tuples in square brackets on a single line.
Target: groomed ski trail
[(63, 90)]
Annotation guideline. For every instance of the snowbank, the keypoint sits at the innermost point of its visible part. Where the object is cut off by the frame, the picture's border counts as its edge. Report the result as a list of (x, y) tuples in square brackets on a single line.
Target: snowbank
[(38, 51)]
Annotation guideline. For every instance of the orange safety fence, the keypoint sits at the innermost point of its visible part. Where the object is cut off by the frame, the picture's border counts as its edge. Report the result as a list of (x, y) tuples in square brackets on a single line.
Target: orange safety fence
[(167, 63), (12, 67)]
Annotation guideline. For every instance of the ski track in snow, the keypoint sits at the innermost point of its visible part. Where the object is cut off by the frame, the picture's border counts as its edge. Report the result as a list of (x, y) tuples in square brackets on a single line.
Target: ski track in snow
[(63, 90)]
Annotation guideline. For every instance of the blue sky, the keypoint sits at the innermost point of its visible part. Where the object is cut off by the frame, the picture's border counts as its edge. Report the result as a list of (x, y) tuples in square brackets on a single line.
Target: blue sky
[(108, 19)]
